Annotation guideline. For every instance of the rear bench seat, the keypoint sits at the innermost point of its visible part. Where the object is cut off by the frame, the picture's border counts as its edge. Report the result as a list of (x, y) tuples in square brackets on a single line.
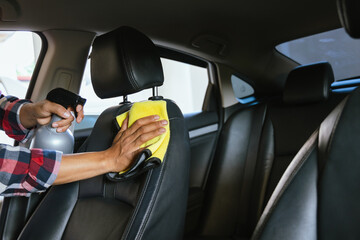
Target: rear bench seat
[(255, 147)]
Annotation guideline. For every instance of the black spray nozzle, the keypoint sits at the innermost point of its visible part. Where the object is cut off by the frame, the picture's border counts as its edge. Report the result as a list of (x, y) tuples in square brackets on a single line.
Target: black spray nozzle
[(65, 98)]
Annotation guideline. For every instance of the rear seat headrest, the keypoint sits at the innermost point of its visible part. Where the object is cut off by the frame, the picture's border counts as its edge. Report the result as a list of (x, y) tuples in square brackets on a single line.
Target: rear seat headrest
[(124, 61), (308, 83), (349, 14)]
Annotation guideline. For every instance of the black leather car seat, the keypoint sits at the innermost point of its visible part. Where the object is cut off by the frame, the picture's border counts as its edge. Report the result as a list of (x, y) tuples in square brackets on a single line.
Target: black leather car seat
[(257, 144), (307, 100), (318, 196), (150, 206)]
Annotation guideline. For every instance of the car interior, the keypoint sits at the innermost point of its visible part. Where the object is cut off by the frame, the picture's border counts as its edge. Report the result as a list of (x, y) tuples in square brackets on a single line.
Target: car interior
[(262, 105)]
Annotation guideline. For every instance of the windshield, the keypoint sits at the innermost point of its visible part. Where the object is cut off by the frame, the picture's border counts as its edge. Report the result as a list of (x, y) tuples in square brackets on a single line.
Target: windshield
[(335, 47)]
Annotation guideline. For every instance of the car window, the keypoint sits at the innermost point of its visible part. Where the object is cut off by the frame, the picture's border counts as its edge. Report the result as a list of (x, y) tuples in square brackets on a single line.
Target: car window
[(19, 52), (335, 47), (243, 91), (184, 83)]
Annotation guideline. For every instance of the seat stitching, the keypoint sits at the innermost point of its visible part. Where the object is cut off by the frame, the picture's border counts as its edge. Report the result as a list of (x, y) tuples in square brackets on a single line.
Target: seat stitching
[(136, 211), (152, 201), (153, 198)]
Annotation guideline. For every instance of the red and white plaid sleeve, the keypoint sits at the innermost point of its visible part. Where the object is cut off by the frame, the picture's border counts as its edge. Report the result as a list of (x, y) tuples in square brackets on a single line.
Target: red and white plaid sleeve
[(24, 171), (9, 118)]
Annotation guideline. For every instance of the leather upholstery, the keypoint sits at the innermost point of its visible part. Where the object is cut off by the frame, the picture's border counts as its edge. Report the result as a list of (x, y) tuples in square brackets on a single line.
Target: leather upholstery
[(150, 206), (224, 192), (287, 126), (308, 84), (348, 11), (293, 125), (124, 61), (318, 196), (297, 207)]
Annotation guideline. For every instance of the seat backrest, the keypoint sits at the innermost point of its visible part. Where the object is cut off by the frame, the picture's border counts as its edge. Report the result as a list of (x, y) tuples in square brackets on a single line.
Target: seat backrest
[(224, 190), (306, 101), (318, 195), (150, 206), (265, 137)]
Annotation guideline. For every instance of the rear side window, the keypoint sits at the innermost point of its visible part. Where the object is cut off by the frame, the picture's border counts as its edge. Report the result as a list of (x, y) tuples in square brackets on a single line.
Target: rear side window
[(19, 52), (184, 83), (335, 47)]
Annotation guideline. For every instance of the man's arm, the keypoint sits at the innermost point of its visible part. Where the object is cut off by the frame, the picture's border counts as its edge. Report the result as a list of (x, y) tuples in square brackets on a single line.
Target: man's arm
[(19, 117), (41, 112), (24, 171), (125, 147)]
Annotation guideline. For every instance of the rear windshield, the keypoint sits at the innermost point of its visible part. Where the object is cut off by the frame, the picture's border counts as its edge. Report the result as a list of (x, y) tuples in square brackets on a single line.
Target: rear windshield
[(335, 47)]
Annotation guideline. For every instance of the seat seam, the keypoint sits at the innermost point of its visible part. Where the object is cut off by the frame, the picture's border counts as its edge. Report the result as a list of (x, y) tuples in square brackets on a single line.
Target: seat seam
[(155, 196), (136, 211), (152, 202)]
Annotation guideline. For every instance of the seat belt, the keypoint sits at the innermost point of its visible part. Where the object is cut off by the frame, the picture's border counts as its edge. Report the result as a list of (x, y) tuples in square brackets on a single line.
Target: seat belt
[(321, 138), (326, 131)]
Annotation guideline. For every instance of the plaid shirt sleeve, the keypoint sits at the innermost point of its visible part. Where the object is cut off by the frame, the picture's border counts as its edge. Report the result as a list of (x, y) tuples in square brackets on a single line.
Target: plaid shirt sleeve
[(23, 171), (9, 118)]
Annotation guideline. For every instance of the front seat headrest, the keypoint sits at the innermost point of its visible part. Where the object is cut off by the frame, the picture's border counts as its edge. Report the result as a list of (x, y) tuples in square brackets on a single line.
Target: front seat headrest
[(349, 14), (124, 61), (308, 83)]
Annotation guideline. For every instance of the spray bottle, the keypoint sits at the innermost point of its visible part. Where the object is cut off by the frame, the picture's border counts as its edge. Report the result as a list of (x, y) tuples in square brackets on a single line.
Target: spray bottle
[(46, 136)]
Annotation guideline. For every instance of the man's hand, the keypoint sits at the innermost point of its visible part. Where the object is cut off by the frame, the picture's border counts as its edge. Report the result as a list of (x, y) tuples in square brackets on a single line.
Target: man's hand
[(32, 114), (126, 144)]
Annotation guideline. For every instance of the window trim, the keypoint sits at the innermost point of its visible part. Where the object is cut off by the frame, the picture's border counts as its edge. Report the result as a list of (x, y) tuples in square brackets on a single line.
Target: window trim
[(182, 57), (39, 62), (213, 85)]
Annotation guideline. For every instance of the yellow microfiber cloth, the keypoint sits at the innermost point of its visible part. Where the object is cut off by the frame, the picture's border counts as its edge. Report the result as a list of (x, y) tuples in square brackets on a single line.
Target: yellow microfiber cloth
[(154, 154)]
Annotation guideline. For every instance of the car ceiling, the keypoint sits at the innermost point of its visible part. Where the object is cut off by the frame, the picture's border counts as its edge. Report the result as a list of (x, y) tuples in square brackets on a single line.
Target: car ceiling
[(245, 32)]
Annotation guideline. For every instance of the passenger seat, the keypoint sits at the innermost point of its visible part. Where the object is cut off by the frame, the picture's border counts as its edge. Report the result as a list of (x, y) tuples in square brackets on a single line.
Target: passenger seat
[(257, 144)]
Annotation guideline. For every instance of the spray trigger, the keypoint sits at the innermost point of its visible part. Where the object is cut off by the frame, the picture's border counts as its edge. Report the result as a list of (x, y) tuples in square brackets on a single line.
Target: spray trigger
[(65, 98)]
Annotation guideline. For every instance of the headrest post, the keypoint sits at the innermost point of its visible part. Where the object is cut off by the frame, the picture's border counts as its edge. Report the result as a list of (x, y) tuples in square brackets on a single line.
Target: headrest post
[(155, 95), (125, 100), (155, 91)]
